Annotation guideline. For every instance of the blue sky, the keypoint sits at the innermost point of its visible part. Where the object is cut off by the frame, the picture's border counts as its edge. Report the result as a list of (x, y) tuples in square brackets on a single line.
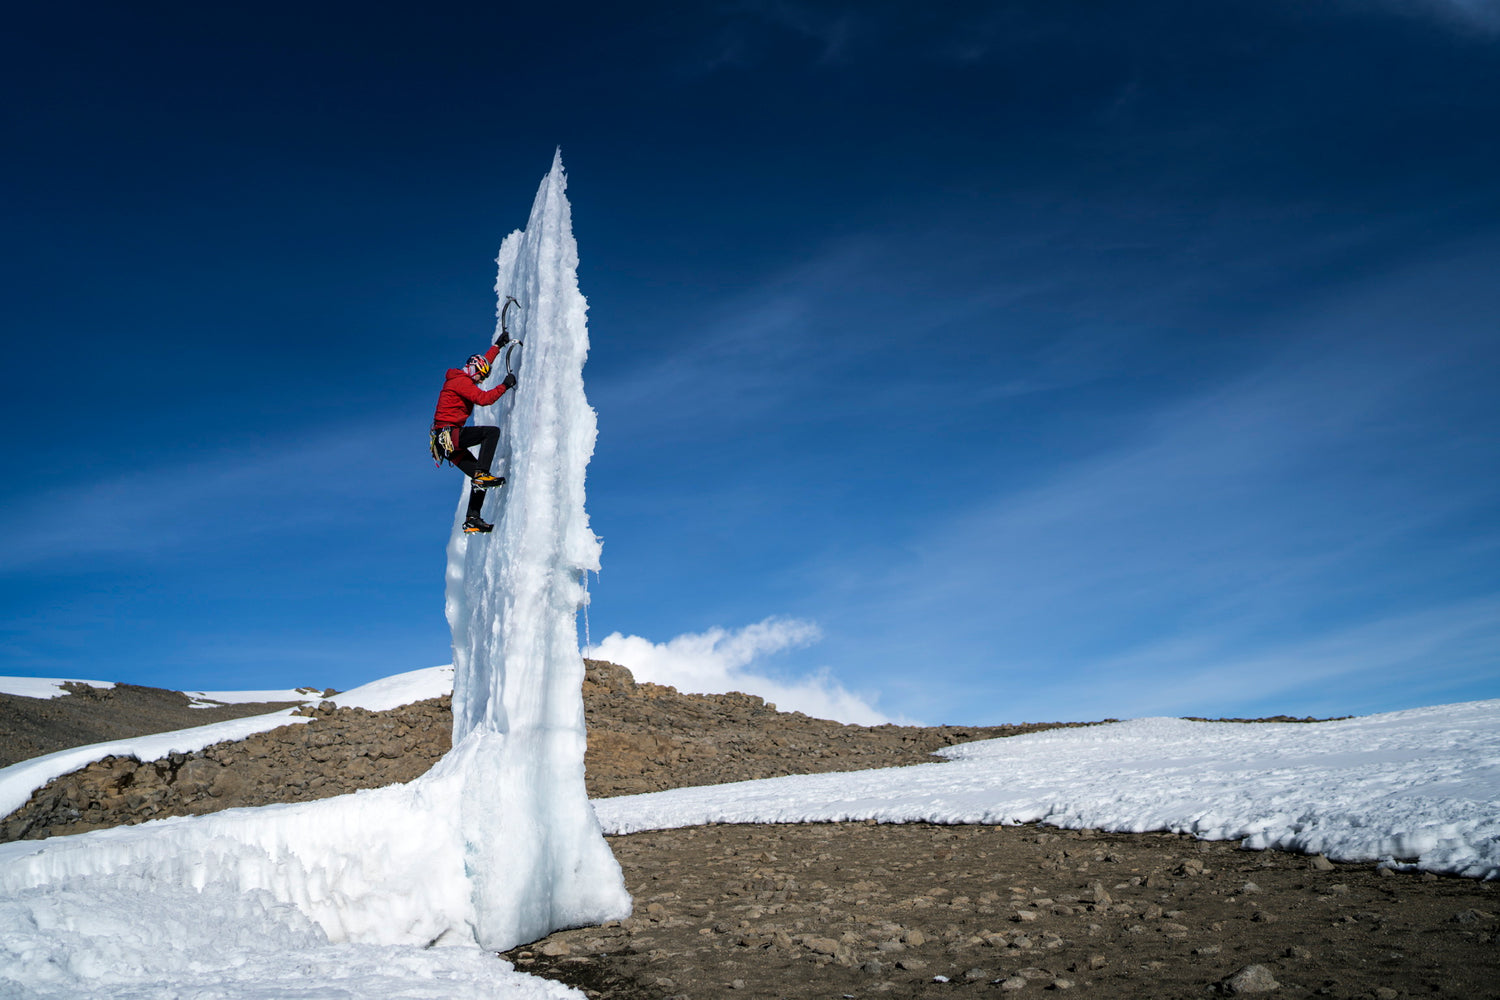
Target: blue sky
[(1013, 360)]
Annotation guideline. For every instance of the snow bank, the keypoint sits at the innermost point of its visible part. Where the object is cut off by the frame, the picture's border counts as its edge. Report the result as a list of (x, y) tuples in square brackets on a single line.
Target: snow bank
[(382, 866), (1421, 785), (537, 856), (397, 690), (213, 699), (43, 687), (129, 936)]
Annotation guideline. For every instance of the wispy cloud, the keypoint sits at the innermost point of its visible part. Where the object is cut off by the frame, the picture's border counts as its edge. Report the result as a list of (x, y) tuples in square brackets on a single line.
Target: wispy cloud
[(1480, 14), (752, 28), (1318, 530), (1425, 654), (719, 661), (218, 496)]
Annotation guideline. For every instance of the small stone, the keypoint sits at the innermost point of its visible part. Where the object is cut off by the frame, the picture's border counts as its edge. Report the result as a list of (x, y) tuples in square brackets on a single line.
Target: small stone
[(1034, 973), (975, 974), (1251, 979), (1023, 916), (1013, 983), (555, 949), (1207, 949), (1249, 887), (1386, 993), (914, 938), (1385, 873), (737, 984), (1471, 916), (1429, 877), (1098, 961), (1062, 984), (911, 964), (821, 945), (1319, 863), (872, 968)]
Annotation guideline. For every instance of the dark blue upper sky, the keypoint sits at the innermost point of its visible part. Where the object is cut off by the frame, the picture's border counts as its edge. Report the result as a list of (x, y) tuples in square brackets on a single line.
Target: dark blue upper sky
[(1056, 359)]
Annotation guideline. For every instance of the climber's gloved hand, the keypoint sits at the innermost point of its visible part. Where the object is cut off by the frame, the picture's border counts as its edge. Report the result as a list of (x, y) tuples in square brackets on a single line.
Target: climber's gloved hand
[(502, 340), (510, 380)]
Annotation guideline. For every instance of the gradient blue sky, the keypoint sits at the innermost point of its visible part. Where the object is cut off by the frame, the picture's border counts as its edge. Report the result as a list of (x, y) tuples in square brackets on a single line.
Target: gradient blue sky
[(1057, 360)]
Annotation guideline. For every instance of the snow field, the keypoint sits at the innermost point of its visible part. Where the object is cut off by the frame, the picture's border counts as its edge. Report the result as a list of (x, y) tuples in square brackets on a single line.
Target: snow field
[(131, 937), (44, 687), (1420, 786)]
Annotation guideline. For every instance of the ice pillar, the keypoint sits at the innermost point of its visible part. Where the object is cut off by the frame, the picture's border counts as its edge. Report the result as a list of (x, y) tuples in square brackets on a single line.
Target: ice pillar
[(533, 850)]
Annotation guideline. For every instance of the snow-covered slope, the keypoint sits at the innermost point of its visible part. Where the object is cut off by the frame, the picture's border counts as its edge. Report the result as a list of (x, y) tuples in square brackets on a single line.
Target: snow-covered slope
[(1421, 785), (44, 687)]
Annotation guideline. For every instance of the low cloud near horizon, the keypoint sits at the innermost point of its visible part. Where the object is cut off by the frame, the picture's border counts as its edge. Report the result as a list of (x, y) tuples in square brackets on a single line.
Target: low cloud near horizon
[(718, 661)]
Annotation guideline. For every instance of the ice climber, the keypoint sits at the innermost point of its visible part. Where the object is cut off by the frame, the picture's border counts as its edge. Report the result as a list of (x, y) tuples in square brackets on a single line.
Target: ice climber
[(451, 440)]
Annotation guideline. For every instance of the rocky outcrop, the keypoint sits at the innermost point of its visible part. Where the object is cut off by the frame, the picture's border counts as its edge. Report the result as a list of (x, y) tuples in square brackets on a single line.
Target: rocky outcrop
[(647, 737)]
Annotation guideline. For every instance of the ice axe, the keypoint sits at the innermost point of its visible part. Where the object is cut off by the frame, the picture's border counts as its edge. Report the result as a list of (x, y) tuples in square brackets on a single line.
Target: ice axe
[(505, 340)]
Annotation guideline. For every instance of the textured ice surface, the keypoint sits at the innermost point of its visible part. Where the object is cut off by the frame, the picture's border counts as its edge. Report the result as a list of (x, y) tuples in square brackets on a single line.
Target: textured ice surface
[(1421, 785), (495, 845), (536, 853), (129, 936)]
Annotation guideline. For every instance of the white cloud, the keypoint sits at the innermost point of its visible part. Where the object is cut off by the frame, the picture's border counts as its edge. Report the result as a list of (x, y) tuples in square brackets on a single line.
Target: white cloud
[(719, 661)]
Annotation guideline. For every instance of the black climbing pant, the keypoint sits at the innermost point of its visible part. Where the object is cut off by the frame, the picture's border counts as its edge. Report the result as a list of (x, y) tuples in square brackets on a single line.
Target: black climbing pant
[(486, 438)]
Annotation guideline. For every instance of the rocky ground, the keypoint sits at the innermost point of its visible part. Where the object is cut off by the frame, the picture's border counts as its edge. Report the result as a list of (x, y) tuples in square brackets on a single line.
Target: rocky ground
[(862, 910)]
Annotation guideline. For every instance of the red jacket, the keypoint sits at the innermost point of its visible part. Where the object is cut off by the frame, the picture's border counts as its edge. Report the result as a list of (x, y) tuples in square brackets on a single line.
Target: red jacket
[(460, 394)]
